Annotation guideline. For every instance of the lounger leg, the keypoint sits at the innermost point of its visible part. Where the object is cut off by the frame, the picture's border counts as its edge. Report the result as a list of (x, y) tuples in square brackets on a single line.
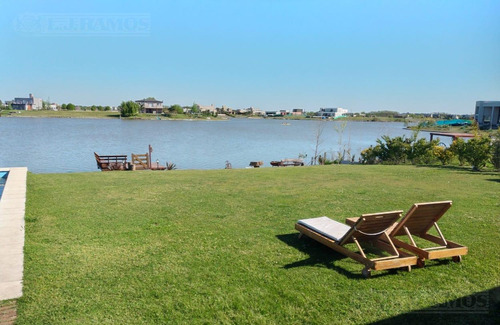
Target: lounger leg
[(359, 247), (457, 259), (420, 262), (367, 272), (440, 234), (409, 236), (300, 235)]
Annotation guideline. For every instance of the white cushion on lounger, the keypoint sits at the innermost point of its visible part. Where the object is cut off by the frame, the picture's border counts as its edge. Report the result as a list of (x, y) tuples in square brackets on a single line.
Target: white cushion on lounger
[(326, 227)]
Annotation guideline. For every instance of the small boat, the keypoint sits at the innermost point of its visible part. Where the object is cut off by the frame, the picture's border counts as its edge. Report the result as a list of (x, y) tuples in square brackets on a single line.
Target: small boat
[(256, 164), (285, 123), (287, 162)]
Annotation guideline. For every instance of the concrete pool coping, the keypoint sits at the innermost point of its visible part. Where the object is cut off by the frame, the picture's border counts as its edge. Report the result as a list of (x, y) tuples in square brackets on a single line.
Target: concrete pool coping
[(12, 208)]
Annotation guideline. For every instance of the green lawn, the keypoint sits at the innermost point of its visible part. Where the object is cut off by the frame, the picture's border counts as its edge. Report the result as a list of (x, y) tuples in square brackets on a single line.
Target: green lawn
[(63, 114), (220, 246)]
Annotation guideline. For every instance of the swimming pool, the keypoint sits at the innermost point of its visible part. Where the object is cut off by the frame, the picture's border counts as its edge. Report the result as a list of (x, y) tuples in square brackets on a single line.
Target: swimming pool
[(3, 180)]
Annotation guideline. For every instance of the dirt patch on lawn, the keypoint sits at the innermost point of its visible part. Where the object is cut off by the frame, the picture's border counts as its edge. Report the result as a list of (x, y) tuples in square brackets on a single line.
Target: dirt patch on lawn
[(8, 313)]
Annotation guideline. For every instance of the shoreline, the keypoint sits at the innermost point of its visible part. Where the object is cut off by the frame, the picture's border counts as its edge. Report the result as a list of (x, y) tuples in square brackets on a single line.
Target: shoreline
[(143, 118)]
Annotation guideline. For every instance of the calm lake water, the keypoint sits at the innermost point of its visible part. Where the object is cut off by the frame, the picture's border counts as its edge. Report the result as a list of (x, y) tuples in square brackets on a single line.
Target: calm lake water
[(57, 145)]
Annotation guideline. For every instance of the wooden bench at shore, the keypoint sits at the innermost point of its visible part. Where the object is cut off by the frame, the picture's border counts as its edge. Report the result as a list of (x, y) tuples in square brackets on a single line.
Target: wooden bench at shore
[(287, 162), (143, 161), (111, 162)]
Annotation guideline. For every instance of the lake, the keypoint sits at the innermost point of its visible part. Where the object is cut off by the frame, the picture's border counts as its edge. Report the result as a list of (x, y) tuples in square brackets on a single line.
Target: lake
[(59, 145)]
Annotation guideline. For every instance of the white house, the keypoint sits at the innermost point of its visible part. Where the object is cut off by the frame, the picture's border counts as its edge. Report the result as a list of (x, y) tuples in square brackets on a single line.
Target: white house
[(256, 111), (487, 114), (332, 112)]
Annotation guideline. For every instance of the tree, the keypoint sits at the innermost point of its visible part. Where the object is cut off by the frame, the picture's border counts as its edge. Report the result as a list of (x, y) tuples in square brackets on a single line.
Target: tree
[(458, 148), (393, 150), (195, 108), (129, 108), (176, 109), (318, 137), (344, 148), (63, 106), (478, 151), (70, 107)]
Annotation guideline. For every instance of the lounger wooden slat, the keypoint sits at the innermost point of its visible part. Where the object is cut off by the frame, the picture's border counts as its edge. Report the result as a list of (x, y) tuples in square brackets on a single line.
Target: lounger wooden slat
[(373, 228), (421, 217), (417, 222)]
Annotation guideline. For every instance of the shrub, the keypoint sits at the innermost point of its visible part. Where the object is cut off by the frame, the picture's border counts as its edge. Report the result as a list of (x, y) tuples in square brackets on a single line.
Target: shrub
[(129, 108), (177, 109), (443, 154), (478, 151), (495, 151), (171, 166), (421, 151), (393, 150), (458, 148), (369, 155)]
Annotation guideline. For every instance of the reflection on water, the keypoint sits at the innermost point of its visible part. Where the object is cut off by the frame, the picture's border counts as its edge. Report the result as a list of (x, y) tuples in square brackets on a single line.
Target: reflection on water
[(52, 145)]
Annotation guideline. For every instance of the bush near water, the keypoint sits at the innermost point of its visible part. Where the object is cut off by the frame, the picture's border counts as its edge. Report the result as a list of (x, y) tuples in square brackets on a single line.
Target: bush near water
[(478, 152)]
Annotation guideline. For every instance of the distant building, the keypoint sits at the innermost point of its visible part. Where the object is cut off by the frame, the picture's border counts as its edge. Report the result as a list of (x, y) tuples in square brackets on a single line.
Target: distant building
[(150, 105), (256, 111), (332, 112), (224, 110), (272, 113), (211, 109), (27, 104), (298, 111), (487, 114), (53, 106)]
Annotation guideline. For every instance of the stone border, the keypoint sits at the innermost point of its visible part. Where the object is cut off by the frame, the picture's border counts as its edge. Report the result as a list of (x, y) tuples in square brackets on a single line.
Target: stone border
[(12, 207)]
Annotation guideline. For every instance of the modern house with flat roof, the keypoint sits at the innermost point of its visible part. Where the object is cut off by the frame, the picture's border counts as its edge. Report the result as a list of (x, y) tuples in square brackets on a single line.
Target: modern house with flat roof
[(487, 114), (150, 105), (27, 104), (332, 112)]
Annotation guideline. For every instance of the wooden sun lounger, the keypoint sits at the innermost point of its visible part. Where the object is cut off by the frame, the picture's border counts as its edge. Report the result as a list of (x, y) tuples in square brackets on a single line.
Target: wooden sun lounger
[(368, 228), (417, 222)]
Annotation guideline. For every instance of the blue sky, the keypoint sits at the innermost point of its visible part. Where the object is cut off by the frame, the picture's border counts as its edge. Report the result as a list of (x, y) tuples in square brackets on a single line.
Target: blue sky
[(408, 56)]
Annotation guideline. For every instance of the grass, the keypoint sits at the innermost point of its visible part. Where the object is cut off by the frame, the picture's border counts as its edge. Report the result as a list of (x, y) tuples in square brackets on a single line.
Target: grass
[(220, 246), (97, 114), (62, 114)]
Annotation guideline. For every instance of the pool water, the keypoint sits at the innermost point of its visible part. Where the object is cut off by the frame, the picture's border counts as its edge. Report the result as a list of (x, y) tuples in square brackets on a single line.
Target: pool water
[(3, 180)]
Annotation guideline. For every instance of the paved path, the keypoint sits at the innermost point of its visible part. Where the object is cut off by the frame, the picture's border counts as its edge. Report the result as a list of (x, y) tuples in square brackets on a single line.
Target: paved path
[(12, 205)]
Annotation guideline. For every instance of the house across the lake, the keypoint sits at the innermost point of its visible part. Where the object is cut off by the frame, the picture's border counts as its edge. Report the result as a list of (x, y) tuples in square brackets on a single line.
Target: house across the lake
[(332, 112), (487, 114), (27, 104), (150, 105)]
